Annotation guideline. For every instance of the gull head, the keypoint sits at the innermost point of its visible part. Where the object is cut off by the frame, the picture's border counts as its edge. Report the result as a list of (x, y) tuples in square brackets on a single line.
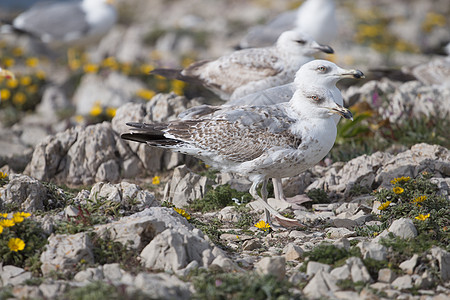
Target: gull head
[(318, 101), (323, 72), (300, 43)]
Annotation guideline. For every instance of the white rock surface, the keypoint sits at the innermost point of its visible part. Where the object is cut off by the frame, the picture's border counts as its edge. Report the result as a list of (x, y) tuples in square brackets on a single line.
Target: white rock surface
[(275, 266), (403, 228)]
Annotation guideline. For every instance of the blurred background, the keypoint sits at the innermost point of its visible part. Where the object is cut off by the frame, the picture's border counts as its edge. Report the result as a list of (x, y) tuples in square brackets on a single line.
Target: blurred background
[(54, 90)]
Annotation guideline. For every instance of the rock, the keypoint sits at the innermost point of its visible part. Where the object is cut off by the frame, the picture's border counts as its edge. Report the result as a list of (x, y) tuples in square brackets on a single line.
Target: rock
[(341, 273), (314, 267), (112, 272), (235, 237), (350, 208), (250, 245), (24, 191), (52, 290), (275, 266), (53, 101), (346, 295), (337, 233), (403, 282), (386, 275), (443, 258), (12, 275), (224, 263), (344, 222), (162, 286), (13, 151), (65, 251), (408, 265), (372, 250), (186, 186), (342, 243), (358, 270), (403, 228), (26, 292), (322, 285), (90, 274), (292, 252), (80, 156), (228, 214)]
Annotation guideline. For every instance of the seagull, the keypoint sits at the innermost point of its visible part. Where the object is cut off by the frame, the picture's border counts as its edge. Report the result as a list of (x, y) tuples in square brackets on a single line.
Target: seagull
[(261, 142), (246, 71), (6, 74), (322, 72), (66, 23), (314, 17)]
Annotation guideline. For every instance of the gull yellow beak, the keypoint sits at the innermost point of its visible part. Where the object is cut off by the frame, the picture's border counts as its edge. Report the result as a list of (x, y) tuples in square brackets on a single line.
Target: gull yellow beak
[(342, 111), (7, 74), (352, 74)]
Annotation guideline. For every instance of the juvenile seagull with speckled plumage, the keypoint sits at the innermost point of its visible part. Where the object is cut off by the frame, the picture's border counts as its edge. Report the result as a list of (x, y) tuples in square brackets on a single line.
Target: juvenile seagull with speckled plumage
[(260, 142), (247, 71)]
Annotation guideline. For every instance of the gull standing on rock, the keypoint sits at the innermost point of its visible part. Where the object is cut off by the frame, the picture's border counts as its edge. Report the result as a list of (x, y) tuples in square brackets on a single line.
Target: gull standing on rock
[(260, 142), (246, 71), (314, 17), (318, 72)]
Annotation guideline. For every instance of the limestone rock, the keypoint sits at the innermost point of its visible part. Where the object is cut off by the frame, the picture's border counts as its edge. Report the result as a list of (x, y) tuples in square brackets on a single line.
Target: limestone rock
[(162, 286), (292, 252), (443, 258), (403, 282), (386, 275), (24, 191), (372, 250), (408, 265), (12, 275), (357, 270), (403, 228), (275, 266), (64, 251), (314, 267), (322, 285), (337, 233)]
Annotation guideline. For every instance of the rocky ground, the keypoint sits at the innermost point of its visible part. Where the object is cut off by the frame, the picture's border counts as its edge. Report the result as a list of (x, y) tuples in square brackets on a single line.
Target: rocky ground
[(86, 214)]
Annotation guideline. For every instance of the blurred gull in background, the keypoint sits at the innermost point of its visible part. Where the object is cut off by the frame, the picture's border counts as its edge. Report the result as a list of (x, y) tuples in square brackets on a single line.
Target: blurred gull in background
[(314, 17)]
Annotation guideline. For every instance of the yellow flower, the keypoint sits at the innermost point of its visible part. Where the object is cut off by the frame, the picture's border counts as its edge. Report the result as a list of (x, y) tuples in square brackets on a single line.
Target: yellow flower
[(384, 205), (74, 64), (126, 68), (1, 229), (4, 215), (422, 217), (110, 62), (17, 218), (156, 180), (433, 20), (96, 110), (419, 199), (186, 61), (9, 62), (32, 62), (182, 212), (161, 84), (12, 83), (146, 68), (17, 51), (16, 244), (111, 112), (400, 179), (32, 89), (19, 98), (178, 87), (3, 175), (5, 94), (398, 190), (79, 118), (25, 80), (7, 223), (41, 75), (90, 68), (145, 94), (24, 214), (262, 225)]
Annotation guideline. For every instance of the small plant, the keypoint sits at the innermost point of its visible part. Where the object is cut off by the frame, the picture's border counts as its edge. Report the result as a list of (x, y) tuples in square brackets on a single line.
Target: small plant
[(21, 240), (218, 198), (330, 254), (211, 229), (102, 290), (318, 196)]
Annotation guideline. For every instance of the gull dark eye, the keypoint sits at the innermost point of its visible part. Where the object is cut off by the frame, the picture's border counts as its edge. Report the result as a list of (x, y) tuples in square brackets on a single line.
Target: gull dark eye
[(301, 42), (322, 69), (315, 98)]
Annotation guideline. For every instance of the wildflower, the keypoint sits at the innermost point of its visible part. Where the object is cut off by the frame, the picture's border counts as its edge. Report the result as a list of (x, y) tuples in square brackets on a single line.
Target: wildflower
[(32, 62), (400, 179), (32, 89), (79, 118), (398, 190), (5, 94), (178, 86), (9, 62), (4, 215), (12, 83), (7, 223), (16, 244), (156, 180), (25, 80), (146, 68), (422, 217), (161, 84), (126, 68), (17, 218), (182, 212), (19, 98), (186, 62), (3, 175), (384, 205), (90, 68), (1, 229), (17, 51), (111, 112), (262, 225), (24, 214), (74, 64), (433, 20), (41, 75), (145, 94), (110, 62), (96, 110), (419, 200)]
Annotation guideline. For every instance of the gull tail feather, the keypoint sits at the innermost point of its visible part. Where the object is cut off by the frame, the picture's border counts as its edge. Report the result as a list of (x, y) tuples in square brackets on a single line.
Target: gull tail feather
[(151, 134)]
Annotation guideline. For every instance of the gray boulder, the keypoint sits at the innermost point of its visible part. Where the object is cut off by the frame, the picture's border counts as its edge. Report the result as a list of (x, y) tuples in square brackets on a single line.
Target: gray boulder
[(24, 191)]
